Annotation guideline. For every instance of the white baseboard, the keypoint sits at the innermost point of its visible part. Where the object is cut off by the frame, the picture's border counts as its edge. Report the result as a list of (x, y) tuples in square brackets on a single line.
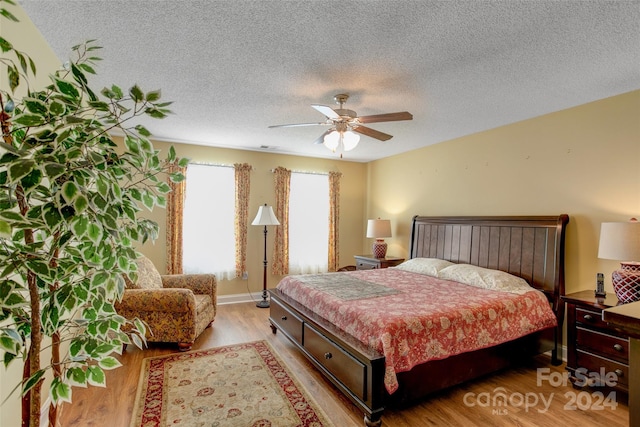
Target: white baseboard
[(239, 298)]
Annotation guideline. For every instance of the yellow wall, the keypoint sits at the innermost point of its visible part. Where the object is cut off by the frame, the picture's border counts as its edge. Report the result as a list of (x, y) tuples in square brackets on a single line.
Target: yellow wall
[(26, 38), (583, 161), (352, 191)]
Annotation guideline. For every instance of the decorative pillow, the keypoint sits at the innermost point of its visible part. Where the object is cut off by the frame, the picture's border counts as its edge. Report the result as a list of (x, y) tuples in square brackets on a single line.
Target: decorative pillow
[(427, 266), (485, 278), (148, 276)]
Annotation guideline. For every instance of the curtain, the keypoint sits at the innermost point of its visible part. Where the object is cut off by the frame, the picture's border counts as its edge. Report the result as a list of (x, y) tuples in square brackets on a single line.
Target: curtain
[(175, 206), (334, 220), (242, 180), (280, 264)]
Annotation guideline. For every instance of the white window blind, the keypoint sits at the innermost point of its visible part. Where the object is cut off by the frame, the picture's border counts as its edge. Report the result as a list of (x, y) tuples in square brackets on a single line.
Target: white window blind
[(209, 212), (308, 223)]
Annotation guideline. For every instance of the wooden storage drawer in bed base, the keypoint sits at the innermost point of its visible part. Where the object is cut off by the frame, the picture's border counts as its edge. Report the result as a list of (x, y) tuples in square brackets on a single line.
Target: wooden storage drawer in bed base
[(289, 323), (344, 367), (355, 370)]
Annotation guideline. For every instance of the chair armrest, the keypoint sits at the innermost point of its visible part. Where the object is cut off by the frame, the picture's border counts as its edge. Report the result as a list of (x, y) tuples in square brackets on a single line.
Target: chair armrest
[(200, 284), (163, 300)]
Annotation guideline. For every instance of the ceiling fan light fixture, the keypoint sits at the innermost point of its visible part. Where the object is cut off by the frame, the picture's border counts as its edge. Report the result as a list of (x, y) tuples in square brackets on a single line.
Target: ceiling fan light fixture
[(350, 140), (332, 140), (343, 121)]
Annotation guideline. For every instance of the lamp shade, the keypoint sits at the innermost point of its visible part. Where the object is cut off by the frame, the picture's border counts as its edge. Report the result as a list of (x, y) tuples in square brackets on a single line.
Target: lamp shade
[(620, 241), (378, 228), (265, 216), (332, 140), (350, 140)]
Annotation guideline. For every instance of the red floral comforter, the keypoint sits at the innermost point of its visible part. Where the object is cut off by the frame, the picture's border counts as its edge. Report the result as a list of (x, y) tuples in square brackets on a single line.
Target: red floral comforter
[(413, 318)]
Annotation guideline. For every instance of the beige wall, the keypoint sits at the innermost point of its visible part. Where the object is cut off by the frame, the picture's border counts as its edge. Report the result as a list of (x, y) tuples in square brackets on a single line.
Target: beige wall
[(584, 161), (352, 199), (25, 37)]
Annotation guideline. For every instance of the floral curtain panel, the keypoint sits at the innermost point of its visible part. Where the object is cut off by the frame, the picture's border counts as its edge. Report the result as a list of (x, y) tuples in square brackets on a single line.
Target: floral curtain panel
[(175, 206), (243, 183), (334, 220), (280, 264)]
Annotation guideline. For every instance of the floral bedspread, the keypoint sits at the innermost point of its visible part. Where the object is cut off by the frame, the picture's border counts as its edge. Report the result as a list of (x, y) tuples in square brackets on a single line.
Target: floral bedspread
[(413, 318)]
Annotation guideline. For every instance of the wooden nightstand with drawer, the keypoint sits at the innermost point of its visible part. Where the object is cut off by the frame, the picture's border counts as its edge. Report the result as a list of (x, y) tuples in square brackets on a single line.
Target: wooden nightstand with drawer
[(595, 349), (369, 262)]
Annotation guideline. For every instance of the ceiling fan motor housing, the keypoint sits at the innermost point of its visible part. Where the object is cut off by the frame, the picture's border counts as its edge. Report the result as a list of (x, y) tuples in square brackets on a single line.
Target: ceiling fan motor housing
[(341, 126), (346, 114)]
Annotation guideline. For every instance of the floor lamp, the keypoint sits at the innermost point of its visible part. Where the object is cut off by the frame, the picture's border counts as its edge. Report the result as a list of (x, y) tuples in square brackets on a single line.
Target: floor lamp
[(265, 217)]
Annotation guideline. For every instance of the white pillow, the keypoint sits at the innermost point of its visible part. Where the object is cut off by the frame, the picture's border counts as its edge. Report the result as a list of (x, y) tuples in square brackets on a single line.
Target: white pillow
[(486, 278), (427, 266)]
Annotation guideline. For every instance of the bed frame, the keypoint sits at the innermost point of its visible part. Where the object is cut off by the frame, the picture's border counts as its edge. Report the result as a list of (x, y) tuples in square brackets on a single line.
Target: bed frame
[(531, 247)]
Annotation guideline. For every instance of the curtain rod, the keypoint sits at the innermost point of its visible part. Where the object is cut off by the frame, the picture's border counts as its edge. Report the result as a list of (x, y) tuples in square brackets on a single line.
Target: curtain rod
[(271, 170), (306, 172), (211, 164)]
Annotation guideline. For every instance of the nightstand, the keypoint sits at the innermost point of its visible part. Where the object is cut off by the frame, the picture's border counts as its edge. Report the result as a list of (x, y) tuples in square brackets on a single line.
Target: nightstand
[(369, 262), (594, 348)]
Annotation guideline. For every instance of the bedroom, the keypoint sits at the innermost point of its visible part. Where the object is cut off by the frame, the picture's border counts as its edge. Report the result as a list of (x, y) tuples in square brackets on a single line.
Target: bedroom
[(581, 161)]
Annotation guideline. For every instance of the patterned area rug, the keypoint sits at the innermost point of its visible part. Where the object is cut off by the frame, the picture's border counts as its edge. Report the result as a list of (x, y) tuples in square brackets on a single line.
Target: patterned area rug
[(244, 385)]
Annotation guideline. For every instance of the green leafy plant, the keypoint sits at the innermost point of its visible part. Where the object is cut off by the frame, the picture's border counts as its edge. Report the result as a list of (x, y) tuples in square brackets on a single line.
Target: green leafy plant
[(70, 215)]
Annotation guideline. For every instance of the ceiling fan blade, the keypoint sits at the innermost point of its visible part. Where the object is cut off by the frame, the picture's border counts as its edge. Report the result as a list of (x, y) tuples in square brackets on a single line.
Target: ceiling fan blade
[(388, 117), (292, 125), (320, 139), (372, 133), (327, 111)]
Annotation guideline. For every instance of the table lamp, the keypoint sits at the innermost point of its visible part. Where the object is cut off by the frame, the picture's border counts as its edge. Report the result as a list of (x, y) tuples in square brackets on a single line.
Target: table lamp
[(621, 241), (378, 229)]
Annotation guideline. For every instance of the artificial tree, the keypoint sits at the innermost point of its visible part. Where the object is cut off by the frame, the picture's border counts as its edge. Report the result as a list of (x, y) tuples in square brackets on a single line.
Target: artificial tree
[(70, 216)]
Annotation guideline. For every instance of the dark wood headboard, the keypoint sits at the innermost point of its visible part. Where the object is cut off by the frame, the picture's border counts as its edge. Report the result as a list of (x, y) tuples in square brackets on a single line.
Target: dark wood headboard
[(531, 247)]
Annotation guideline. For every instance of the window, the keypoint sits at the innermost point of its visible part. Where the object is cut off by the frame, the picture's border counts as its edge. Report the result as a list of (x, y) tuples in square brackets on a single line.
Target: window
[(208, 243), (308, 223)]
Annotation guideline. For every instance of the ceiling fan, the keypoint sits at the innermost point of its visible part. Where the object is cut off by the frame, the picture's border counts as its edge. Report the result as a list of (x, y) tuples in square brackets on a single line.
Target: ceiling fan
[(346, 125)]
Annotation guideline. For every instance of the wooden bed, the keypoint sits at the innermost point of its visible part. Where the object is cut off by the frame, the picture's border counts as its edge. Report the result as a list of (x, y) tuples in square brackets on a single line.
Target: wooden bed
[(530, 247)]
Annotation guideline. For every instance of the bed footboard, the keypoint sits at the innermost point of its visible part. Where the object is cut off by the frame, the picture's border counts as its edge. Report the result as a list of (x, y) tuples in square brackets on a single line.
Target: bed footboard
[(357, 371)]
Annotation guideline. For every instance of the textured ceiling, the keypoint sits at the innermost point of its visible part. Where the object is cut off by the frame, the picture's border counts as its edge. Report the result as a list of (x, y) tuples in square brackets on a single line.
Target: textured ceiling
[(235, 67)]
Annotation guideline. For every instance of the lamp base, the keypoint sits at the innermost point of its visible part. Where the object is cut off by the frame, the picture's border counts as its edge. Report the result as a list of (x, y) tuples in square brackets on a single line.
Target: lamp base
[(626, 282), (379, 248), (263, 304)]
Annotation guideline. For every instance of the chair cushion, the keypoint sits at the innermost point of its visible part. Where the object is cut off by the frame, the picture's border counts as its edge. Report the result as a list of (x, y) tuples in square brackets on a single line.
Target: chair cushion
[(202, 303), (148, 275)]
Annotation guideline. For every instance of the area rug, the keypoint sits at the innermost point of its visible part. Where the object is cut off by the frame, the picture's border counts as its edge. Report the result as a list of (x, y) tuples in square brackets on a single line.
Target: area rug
[(244, 385)]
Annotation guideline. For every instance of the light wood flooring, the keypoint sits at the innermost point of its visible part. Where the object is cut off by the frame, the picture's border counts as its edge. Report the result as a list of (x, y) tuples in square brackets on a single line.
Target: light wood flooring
[(465, 405)]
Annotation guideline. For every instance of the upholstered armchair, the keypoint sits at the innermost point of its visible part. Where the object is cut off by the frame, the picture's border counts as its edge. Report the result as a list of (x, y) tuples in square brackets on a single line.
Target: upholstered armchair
[(176, 308)]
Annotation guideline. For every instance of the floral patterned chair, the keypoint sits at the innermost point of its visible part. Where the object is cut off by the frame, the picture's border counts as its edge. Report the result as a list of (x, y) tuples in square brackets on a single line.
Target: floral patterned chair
[(176, 308)]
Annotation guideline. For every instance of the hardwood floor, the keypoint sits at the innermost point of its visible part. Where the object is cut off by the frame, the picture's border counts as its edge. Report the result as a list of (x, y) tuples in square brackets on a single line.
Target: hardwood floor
[(530, 404)]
